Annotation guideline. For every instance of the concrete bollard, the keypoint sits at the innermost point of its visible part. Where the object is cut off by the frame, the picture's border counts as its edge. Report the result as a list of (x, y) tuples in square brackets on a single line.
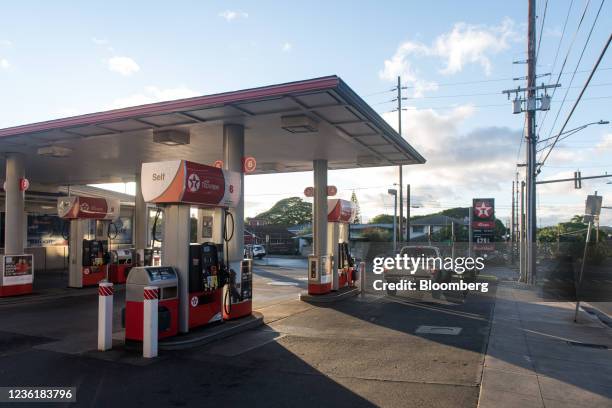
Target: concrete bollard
[(362, 278), (105, 316), (149, 322)]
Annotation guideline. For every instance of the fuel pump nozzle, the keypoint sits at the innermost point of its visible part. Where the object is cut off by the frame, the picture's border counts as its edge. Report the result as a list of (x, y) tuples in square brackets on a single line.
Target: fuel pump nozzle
[(230, 274)]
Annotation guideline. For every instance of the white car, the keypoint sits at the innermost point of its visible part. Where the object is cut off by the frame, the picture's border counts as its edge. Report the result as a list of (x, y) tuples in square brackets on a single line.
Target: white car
[(421, 273), (258, 251)]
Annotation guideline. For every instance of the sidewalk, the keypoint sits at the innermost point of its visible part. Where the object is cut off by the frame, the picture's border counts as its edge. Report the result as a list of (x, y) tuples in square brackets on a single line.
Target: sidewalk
[(538, 357)]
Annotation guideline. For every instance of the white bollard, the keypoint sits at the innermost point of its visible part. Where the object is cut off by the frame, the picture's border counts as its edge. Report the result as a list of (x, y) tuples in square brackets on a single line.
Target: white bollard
[(105, 316), (362, 278), (149, 322)]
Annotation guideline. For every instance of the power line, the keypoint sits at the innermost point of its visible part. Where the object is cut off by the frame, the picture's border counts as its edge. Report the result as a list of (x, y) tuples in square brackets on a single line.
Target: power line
[(378, 93), (569, 50), (577, 65), (542, 29), (472, 82), (601, 55), (556, 57), (487, 93), (496, 105), (518, 153)]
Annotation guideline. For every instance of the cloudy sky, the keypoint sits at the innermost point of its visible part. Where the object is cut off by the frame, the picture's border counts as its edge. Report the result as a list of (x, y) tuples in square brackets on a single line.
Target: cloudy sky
[(65, 58)]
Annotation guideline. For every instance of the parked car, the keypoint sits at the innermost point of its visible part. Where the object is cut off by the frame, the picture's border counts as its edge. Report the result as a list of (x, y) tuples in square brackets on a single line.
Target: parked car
[(257, 251), (420, 273)]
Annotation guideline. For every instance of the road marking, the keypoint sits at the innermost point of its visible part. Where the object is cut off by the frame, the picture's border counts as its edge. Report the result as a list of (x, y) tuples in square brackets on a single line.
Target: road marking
[(282, 283), (453, 331)]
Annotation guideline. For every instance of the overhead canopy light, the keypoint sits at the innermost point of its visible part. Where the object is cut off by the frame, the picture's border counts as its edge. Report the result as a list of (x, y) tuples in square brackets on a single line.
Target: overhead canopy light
[(171, 137), (54, 151), (299, 124)]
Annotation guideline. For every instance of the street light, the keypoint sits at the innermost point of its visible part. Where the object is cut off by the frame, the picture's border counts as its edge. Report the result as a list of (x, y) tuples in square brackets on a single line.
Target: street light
[(557, 138), (579, 128), (393, 192)]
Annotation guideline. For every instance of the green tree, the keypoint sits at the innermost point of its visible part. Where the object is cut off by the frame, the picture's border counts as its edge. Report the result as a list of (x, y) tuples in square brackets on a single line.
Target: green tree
[(574, 230), (357, 209), (383, 219), (457, 212), (378, 235), (288, 211), (446, 234)]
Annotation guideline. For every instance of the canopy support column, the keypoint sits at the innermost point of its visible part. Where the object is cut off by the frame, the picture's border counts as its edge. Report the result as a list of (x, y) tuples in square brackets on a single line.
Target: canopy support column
[(319, 216), (14, 230)]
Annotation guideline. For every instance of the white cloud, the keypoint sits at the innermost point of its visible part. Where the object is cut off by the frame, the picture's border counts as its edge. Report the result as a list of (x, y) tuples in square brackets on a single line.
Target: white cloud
[(100, 41), (4, 64), (65, 113), (605, 143), (287, 47), (153, 94), (5, 43), (231, 15), (473, 44), (123, 65), (464, 44), (554, 32)]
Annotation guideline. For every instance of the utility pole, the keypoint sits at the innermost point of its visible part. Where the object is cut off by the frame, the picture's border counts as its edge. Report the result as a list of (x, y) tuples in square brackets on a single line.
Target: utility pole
[(408, 200), (596, 226), (529, 104), (512, 230), (401, 175), (470, 232), (531, 142), (522, 254), (516, 200)]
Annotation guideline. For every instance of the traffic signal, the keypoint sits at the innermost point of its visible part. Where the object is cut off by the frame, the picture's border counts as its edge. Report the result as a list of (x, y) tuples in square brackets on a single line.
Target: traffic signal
[(577, 180)]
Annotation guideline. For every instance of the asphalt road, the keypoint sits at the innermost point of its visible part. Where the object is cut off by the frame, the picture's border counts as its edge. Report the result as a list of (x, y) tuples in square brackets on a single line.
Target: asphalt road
[(357, 353)]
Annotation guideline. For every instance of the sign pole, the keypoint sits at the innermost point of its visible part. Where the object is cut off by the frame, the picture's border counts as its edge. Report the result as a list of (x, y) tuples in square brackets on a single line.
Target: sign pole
[(579, 282)]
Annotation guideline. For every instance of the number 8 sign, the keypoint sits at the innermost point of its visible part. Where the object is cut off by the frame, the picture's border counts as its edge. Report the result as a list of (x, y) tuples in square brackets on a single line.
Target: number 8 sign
[(249, 164)]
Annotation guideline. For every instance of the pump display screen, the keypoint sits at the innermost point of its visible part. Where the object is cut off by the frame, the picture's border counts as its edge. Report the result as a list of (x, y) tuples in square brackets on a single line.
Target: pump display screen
[(160, 274)]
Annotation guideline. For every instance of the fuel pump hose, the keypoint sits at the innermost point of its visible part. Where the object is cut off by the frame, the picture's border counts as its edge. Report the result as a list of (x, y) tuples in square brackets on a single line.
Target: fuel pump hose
[(227, 237)]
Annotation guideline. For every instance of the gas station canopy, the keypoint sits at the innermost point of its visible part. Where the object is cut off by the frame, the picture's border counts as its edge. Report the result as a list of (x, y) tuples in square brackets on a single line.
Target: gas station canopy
[(287, 126)]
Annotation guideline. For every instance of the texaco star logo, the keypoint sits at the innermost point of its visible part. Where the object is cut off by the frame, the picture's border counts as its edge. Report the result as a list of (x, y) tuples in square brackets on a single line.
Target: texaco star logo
[(482, 210), (193, 182)]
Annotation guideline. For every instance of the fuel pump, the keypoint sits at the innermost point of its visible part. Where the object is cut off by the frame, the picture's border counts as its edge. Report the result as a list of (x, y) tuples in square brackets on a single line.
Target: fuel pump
[(238, 291), (202, 268), (120, 259), (341, 214), (88, 251)]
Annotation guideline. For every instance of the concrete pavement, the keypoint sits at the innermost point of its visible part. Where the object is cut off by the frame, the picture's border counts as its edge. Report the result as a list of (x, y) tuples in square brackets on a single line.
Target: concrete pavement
[(359, 353), (538, 357)]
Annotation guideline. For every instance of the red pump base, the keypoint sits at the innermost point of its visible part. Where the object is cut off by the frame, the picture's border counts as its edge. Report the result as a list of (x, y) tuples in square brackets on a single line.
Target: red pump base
[(319, 289), (16, 290)]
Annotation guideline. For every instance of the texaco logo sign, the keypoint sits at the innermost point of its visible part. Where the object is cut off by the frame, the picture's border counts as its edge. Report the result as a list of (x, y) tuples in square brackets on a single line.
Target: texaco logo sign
[(193, 182), (194, 301), (483, 210)]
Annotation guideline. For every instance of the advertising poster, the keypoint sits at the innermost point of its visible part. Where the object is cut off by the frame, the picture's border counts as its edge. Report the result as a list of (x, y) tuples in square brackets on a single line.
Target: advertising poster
[(47, 230), (124, 230), (17, 269)]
